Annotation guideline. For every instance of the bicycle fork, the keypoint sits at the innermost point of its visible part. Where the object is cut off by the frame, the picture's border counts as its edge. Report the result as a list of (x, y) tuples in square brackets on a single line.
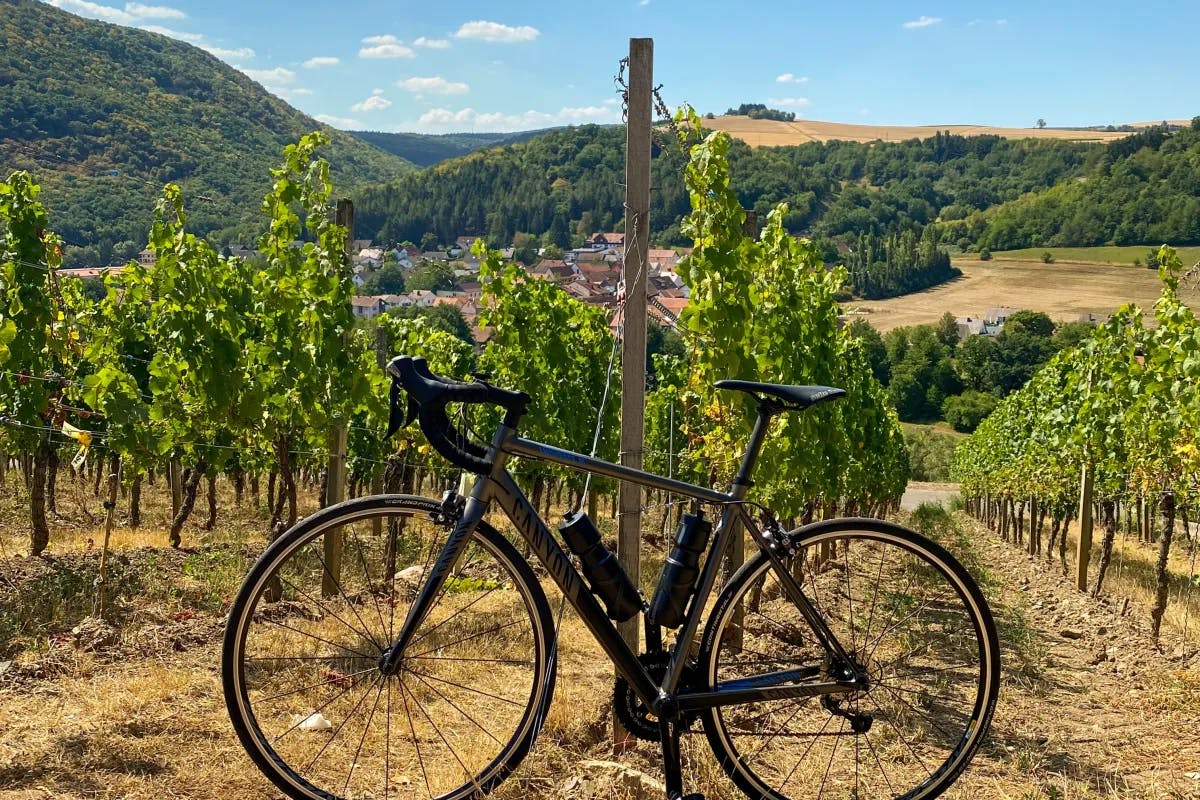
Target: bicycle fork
[(456, 544)]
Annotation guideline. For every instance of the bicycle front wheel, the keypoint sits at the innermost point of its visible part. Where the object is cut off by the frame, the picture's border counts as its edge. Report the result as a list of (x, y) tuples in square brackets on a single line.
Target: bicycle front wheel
[(301, 658), (905, 610)]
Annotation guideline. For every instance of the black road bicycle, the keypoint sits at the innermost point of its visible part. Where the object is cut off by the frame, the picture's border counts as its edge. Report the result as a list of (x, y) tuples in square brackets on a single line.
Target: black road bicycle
[(398, 646)]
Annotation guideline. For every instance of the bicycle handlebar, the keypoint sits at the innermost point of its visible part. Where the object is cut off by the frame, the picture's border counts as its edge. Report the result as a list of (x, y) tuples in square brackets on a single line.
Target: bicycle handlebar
[(428, 395)]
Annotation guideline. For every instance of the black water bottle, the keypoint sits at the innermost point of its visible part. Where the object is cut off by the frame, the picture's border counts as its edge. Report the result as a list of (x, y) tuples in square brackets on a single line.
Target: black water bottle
[(604, 573), (679, 573)]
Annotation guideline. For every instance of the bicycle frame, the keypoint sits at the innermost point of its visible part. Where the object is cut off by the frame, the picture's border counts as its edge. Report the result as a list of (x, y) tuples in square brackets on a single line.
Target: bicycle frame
[(500, 487)]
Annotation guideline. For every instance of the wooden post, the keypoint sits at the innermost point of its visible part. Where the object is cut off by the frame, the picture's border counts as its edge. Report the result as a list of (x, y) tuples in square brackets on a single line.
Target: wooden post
[(335, 491), (110, 510), (633, 345), (175, 479), (1083, 550), (633, 342)]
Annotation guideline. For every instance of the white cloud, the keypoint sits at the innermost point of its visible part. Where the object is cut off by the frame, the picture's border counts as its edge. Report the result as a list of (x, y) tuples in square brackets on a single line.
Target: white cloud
[(154, 12), (643, 2), (441, 120), (922, 22), (372, 103), (131, 14), (788, 77), (226, 54), (321, 61), (432, 44), (496, 32), (386, 46), (377, 91), (798, 102), (289, 94), (338, 122), (434, 85), (183, 36), (975, 22), (271, 77)]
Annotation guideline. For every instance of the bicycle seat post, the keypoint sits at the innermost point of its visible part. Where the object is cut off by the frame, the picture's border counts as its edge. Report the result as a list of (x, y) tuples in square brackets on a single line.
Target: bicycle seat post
[(741, 482)]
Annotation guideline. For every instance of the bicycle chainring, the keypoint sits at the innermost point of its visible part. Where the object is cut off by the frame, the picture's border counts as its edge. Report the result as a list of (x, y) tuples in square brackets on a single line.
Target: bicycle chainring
[(633, 714)]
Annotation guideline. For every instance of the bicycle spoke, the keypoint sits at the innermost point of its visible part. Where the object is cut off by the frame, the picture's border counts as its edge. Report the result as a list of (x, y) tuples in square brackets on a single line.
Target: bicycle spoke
[(471, 660), (849, 602), (874, 596), (464, 688), (416, 741), (365, 634), (387, 745), (804, 755), (442, 736), (338, 584), (900, 735), (318, 710), (367, 576), (882, 771), (361, 739), (325, 682), (472, 637), (454, 705), (832, 755), (427, 633), (345, 724), (319, 639)]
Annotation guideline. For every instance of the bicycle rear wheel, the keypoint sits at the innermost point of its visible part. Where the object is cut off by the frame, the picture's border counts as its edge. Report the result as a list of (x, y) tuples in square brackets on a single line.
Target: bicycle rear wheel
[(904, 609), (301, 658)]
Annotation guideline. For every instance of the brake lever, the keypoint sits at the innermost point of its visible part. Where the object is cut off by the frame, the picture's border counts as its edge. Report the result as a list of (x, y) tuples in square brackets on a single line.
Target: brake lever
[(399, 416)]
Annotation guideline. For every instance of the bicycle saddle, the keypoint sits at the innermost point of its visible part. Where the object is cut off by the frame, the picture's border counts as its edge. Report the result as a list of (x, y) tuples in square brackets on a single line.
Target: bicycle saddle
[(799, 397)]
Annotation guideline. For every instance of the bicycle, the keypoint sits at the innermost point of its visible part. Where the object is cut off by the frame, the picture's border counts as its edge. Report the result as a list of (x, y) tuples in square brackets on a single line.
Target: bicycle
[(847, 658)]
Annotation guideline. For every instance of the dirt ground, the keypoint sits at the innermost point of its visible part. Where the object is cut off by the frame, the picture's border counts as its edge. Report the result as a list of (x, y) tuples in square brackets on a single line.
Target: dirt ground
[(1063, 291), (1088, 708)]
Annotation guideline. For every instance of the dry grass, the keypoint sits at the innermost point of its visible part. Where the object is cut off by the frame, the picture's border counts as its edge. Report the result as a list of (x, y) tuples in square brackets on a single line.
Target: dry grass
[(1064, 291), (153, 724), (773, 133)]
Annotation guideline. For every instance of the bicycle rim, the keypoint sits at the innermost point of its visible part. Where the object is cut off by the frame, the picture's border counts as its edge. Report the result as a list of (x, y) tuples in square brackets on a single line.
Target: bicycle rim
[(908, 612), (302, 650)]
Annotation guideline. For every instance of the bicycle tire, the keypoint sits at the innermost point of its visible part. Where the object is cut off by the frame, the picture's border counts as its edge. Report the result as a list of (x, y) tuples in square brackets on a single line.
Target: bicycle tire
[(753, 743), (279, 626)]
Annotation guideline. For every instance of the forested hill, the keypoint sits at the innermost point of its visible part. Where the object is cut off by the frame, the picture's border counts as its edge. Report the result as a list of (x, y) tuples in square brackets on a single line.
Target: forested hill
[(425, 149), (569, 182), (104, 115), (1144, 189)]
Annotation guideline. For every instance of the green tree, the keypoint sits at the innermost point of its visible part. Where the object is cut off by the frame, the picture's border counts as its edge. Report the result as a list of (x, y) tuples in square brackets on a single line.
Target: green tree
[(873, 346), (1035, 323), (433, 276), (446, 318), (946, 331), (965, 411), (388, 279), (429, 241)]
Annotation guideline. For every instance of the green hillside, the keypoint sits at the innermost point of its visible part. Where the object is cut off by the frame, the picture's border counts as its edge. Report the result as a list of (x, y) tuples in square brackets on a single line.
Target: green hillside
[(1141, 190), (567, 183), (103, 115), (425, 150)]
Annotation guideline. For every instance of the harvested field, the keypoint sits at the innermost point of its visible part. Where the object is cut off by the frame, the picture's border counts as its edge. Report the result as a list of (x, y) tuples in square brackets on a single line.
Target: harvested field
[(772, 133), (1061, 290)]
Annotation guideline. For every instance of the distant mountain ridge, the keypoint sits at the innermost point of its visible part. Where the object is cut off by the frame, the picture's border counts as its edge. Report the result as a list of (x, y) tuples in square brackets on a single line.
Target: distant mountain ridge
[(427, 149), (103, 115)]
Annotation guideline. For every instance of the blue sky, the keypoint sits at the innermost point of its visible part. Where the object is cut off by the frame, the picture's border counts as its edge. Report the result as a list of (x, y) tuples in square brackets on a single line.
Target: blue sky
[(475, 66)]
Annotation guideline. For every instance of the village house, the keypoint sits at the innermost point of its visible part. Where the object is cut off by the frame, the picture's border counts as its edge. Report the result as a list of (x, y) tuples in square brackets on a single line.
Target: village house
[(365, 307)]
